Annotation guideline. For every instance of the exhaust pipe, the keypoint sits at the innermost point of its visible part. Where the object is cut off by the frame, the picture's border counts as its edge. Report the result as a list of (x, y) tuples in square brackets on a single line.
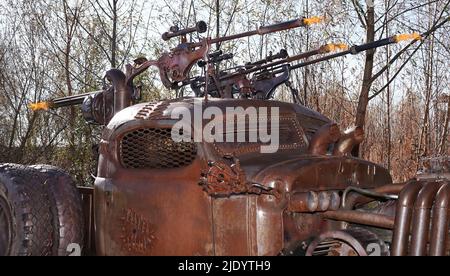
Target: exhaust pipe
[(439, 229), (403, 216), (326, 135), (421, 220), (351, 137), (122, 92), (353, 199)]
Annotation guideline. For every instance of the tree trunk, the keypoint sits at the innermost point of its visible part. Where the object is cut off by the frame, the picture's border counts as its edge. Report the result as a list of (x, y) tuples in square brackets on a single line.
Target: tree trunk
[(388, 101), (70, 24), (444, 139), (218, 22), (424, 142), (306, 72), (368, 71), (114, 35)]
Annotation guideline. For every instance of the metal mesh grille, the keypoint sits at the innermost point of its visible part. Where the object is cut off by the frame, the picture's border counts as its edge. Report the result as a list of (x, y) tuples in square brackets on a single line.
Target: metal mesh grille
[(290, 138), (155, 149)]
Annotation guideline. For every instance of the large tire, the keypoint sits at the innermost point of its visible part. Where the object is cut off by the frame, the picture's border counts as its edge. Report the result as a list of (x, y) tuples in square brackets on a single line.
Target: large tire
[(26, 227), (66, 207)]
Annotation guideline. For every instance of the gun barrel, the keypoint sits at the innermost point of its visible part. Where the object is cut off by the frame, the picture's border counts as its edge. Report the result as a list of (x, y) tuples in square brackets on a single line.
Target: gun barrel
[(62, 102), (72, 100), (325, 58), (296, 23), (354, 50), (278, 66), (276, 63)]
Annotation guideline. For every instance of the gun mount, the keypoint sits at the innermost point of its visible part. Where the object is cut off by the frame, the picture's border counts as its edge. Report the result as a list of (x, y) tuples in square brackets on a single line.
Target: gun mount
[(174, 66), (269, 73), (215, 58)]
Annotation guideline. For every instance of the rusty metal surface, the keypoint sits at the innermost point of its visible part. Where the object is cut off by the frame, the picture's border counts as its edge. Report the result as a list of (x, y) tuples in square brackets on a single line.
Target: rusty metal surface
[(355, 198), (224, 179), (440, 222), (87, 200), (403, 218), (151, 211), (172, 212), (348, 141), (359, 217), (418, 202), (326, 135), (304, 202), (244, 203), (421, 218), (155, 196)]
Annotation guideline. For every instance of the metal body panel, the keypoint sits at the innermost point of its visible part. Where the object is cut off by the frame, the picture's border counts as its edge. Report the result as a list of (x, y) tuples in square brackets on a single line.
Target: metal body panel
[(166, 212)]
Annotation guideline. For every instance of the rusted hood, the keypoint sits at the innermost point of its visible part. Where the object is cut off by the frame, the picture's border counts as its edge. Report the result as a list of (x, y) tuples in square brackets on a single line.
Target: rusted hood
[(298, 173), (162, 110)]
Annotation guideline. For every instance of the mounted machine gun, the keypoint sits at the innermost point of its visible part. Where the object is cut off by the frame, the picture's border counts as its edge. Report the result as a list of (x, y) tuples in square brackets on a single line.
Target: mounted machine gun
[(268, 74), (174, 67)]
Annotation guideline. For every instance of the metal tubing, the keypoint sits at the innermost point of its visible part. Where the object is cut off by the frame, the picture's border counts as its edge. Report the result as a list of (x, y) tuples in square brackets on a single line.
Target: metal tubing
[(284, 61), (354, 50), (349, 202), (348, 141), (364, 192), (71, 100), (421, 219), (326, 135), (364, 218), (122, 92), (439, 229), (403, 216), (260, 31)]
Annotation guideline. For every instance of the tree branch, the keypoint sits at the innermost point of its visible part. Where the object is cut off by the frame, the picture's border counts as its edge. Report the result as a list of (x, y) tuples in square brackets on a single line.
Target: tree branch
[(397, 56), (360, 12)]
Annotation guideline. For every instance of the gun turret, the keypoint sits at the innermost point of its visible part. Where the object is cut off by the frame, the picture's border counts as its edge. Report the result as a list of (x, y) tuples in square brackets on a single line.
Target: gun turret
[(271, 72), (175, 66), (99, 107), (61, 102)]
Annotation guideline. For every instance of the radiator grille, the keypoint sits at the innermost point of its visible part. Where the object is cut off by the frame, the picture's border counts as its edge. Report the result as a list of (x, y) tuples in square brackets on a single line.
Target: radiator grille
[(155, 149)]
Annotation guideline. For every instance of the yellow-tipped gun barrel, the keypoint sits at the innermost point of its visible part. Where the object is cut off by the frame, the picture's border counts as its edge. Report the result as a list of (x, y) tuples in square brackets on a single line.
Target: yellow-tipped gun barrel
[(61, 102), (292, 24), (302, 22), (363, 47)]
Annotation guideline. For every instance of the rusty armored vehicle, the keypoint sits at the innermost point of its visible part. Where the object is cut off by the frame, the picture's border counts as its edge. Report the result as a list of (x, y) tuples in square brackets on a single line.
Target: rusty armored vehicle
[(157, 196)]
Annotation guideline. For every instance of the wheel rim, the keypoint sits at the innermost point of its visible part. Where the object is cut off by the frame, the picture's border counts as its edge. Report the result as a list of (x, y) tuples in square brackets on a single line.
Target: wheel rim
[(5, 228)]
